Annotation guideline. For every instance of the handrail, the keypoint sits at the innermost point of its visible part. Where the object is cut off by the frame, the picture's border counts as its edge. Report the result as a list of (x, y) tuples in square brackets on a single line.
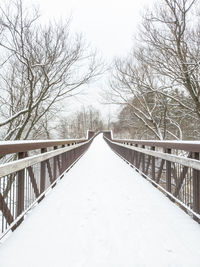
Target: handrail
[(191, 163), (181, 145), (11, 147), (173, 167), (192, 146)]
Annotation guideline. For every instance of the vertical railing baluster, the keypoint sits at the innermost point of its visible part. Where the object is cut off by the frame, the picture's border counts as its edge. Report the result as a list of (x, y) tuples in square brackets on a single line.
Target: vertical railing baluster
[(168, 172), (136, 157), (153, 165), (55, 165), (63, 163), (196, 186), (143, 160), (20, 191), (42, 175)]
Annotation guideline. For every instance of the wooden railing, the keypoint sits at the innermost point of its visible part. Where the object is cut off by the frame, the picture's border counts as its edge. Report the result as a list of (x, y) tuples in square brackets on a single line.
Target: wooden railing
[(34, 169), (173, 167)]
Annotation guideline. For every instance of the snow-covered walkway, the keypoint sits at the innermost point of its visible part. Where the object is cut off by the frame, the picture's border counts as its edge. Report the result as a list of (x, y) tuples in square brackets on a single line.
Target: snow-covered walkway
[(103, 214)]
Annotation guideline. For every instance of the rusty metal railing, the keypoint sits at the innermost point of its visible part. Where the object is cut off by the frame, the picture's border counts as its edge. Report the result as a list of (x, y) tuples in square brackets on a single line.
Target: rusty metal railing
[(26, 179), (173, 167)]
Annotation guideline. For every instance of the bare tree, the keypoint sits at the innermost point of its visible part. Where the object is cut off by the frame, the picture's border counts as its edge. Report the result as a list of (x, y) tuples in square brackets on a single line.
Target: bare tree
[(77, 124), (135, 86), (158, 82), (169, 43), (44, 65)]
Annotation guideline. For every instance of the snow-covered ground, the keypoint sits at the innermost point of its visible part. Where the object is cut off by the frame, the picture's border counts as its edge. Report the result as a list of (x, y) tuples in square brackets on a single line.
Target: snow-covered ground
[(103, 214)]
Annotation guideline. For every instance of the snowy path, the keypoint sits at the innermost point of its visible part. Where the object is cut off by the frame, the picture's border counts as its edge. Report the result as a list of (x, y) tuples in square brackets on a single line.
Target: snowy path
[(103, 214)]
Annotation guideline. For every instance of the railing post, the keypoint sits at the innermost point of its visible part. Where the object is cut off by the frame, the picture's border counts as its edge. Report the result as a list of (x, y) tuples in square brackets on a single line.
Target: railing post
[(73, 155), (42, 173), (67, 158), (136, 157), (63, 158), (143, 161), (196, 187), (55, 165), (20, 190), (153, 166), (131, 156), (168, 172)]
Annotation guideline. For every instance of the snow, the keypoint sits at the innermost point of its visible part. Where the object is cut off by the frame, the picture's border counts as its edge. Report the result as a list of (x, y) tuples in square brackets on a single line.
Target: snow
[(103, 214)]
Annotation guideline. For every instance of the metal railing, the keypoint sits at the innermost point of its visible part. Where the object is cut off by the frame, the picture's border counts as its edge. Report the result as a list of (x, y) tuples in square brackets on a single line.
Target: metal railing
[(26, 179), (173, 167)]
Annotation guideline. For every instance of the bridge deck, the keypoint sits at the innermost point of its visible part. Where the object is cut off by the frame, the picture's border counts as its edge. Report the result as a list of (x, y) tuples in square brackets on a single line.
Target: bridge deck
[(103, 214)]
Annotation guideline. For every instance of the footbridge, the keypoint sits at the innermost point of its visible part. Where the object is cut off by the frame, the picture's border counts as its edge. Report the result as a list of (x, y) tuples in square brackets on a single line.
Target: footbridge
[(99, 201)]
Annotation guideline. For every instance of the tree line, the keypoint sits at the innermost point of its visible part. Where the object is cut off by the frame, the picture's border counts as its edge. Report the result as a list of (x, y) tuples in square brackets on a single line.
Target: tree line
[(40, 66), (158, 84)]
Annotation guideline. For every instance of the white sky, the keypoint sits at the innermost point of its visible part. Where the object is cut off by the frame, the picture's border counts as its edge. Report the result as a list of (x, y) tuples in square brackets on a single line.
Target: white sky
[(108, 25)]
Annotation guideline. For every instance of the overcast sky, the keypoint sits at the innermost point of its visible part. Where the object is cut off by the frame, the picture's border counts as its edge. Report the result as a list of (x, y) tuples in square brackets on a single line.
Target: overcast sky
[(108, 25)]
